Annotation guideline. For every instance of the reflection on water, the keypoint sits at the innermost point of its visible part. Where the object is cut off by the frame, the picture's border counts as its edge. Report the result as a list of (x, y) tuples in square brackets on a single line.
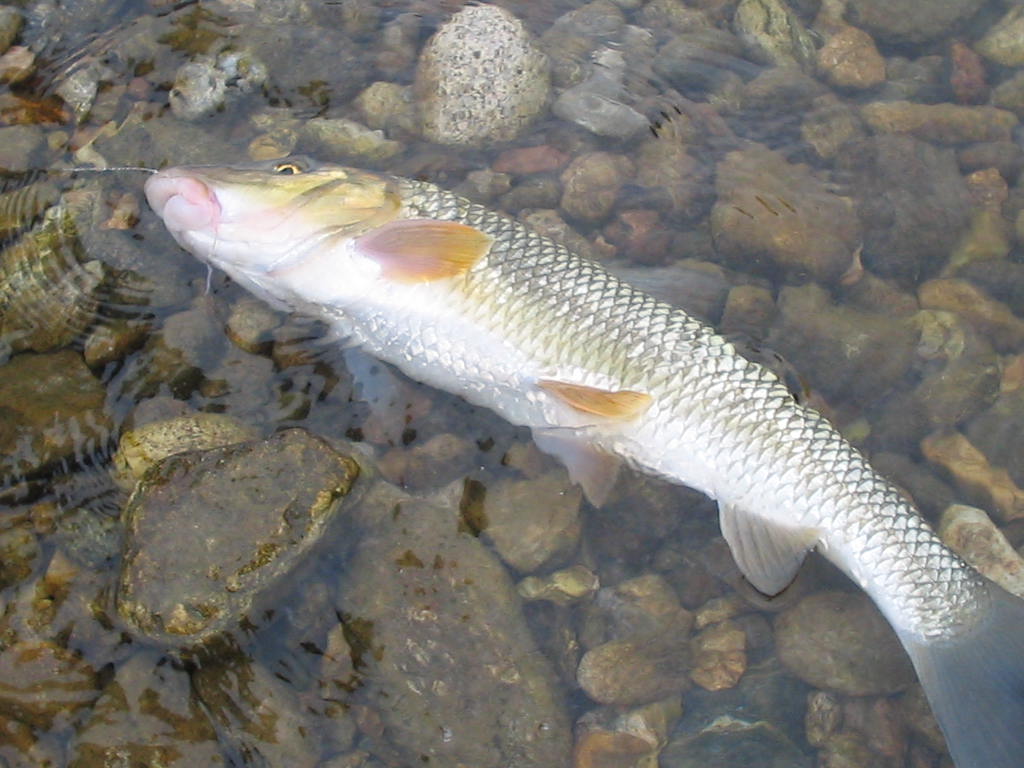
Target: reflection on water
[(835, 184)]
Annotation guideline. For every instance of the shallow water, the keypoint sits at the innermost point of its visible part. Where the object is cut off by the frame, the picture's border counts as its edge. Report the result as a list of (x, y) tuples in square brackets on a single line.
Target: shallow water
[(856, 295)]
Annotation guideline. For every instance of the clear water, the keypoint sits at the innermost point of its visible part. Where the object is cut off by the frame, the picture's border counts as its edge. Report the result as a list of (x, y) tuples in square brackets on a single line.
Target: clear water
[(319, 57)]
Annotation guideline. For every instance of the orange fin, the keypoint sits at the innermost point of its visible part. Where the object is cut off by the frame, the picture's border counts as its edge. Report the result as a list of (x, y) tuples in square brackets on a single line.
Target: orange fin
[(421, 250), (621, 405)]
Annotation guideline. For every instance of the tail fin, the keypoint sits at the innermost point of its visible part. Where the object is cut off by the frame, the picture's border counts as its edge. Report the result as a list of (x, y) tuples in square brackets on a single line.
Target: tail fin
[(975, 685)]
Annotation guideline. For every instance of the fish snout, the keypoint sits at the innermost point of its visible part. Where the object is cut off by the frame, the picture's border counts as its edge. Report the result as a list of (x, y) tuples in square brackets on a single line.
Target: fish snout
[(182, 200)]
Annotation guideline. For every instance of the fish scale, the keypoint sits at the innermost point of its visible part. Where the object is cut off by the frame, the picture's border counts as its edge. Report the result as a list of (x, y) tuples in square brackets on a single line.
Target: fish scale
[(524, 327), (536, 290)]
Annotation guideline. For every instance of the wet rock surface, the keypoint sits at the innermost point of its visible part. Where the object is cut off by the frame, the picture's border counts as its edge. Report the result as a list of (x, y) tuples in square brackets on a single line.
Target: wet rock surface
[(147, 714), (911, 21), (49, 402), (840, 642), (912, 204), (771, 215), (262, 506), (459, 622)]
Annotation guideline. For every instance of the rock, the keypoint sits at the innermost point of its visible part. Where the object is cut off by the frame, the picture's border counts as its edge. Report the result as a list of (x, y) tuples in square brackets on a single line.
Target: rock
[(199, 89), (635, 671), (550, 224), (526, 160), (910, 21), (257, 713), (1006, 157), (209, 533), (251, 325), (533, 524), (597, 104), (612, 737), (974, 475), (840, 642), (1009, 94), (706, 60), (639, 607), (112, 341), (19, 552), (824, 717), (44, 685), (480, 79), (11, 21), (968, 380), (970, 533), (941, 123), (49, 297), (730, 741), (719, 656), (142, 447), (431, 464), (848, 354), (572, 39), (989, 317), (668, 170), (1004, 41), (443, 653), (18, 64), (51, 406), (849, 59), (773, 34), (923, 80), (598, 113), (913, 204), (829, 124), (591, 184), (349, 138), (774, 216), (147, 715), (999, 431), (967, 75), (561, 587), (388, 107)]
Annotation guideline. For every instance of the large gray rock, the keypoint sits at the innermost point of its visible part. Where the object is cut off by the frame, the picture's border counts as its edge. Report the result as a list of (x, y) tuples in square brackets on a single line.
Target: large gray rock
[(480, 79), (209, 533), (440, 644)]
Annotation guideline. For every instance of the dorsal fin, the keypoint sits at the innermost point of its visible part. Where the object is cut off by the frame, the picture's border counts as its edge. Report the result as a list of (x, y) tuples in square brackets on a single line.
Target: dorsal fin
[(421, 250), (620, 405)]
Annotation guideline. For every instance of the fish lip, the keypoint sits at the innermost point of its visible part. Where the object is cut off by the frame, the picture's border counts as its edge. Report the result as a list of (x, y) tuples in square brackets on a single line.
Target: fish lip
[(185, 183)]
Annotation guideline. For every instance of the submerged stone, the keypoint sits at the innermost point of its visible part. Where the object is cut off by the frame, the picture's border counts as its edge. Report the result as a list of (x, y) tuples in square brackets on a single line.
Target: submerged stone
[(50, 407), (840, 642), (772, 215), (209, 533), (146, 715), (440, 644)]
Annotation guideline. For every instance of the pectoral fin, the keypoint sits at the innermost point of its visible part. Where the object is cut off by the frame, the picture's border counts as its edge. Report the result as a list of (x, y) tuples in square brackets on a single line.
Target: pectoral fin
[(621, 405), (595, 472), (768, 554), (422, 250)]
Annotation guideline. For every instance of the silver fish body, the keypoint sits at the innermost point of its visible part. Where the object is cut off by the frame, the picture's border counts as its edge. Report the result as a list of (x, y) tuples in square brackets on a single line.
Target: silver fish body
[(530, 312)]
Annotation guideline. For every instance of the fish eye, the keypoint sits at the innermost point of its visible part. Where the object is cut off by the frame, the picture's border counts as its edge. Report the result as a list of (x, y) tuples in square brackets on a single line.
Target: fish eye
[(288, 168)]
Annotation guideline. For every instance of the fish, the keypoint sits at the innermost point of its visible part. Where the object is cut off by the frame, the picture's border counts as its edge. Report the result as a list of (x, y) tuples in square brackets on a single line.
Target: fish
[(468, 300)]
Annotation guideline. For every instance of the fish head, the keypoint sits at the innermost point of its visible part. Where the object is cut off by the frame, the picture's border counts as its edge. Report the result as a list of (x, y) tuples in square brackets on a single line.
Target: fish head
[(259, 220)]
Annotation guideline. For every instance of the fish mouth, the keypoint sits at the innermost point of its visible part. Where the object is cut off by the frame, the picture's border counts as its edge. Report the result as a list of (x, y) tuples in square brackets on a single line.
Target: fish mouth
[(185, 202)]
